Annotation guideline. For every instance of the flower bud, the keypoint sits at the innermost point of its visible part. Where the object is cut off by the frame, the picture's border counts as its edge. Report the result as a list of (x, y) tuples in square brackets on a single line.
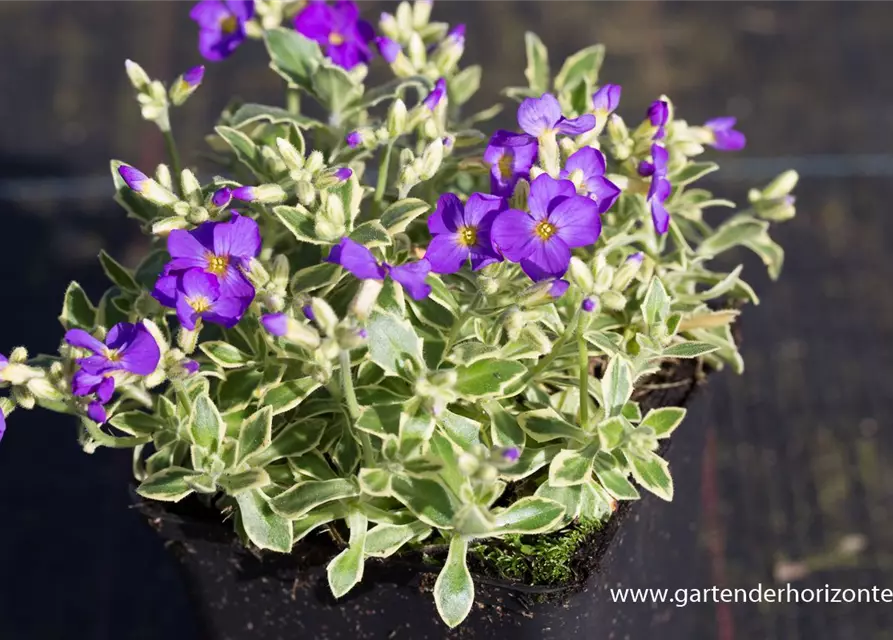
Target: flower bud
[(23, 397), (468, 464), (549, 156), (163, 175), (146, 186), (138, 77), (264, 194), (580, 274), (290, 155), (388, 25), (543, 292), (781, 186), (777, 210), (324, 315), (164, 226), (18, 355), (364, 301), (613, 300), (431, 159), (42, 389), (192, 190), (627, 271), (281, 271), (416, 51), (397, 118), (221, 198), (389, 49), (421, 13), (186, 84), (315, 161), (349, 338), (447, 55), (283, 326), (197, 215), (306, 193), (188, 339)]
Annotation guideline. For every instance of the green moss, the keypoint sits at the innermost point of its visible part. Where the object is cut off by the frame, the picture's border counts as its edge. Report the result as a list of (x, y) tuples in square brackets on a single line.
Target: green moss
[(546, 560)]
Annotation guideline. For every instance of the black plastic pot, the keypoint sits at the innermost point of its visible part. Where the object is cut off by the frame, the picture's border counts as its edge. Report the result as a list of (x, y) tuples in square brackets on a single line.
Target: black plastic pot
[(240, 595)]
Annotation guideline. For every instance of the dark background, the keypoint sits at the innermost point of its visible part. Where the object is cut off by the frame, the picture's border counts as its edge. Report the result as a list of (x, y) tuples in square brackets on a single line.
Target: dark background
[(779, 470)]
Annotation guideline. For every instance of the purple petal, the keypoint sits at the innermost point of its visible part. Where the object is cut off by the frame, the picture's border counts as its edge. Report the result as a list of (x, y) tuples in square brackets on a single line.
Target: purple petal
[(3, 361), (588, 305), (645, 169), (576, 126), (484, 253), (544, 191), (165, 291), (221, 197), (481, 210), (186, 248), (83, 340), (661, 158), (577, 221), (511, 454), (607, 98), (587, 160), (197, 283), (721, 124), (343, 173), (96, 412), (349, 54), (214, 45), (191, 366), (140, 353), (2, 424), (729, 140), (513, 232), (308, 312), (187, 316), (316, 21), (194, 76), (659, 214), (134, 178), (209, 12), (388, 48), (275, 323), (549, 259), (559, 288), (238, 238), (457, 32), (357, 259), (83, 383), (106, 389), (447, 216), (603, 191), (344, 14), (354, 139), (245, 194), (436, 95), (445, 254), (227, 311), (412, 276), (658, 113), (538, 115)]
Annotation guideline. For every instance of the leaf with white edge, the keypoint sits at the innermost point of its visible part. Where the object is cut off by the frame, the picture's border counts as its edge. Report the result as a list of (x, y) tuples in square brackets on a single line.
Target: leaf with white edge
[(397, 217), (303, 497), (610, 343), (612, 432), (664, 421), (137, 423), (652, 472), (117, 273), (300, 223), (537, 71), (346, 569), (225, 355), (488, 378), (294, 440), (617, 386), (385, 540), (285, 396), (632, 411), (463, 431), (206, 427), (375, 482), (391, 339), (236, 483), (77, 310), (428, 500), (390, 90), (770, 253), (689, 350), (692, 172), (464, 85), (167, 485), (612, 479), (334, 87), (570, 467), (656, 306), (454, 589), (245, 149), (262, 526), (504, 428), (319, 276), (255, 433), (529, 515), (380, 420), (571, 498), (252, 113), (471, 351), (582, 66), (293, 56), (543, 425), (735, 232), (371, 234)]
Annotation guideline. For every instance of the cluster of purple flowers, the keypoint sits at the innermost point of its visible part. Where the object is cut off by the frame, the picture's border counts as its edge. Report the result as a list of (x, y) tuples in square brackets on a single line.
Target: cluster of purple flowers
[(205, 278), (128, 349)]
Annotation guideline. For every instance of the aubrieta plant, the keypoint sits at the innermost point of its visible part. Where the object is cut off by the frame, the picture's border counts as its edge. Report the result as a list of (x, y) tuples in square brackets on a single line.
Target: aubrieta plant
[(379, 323)]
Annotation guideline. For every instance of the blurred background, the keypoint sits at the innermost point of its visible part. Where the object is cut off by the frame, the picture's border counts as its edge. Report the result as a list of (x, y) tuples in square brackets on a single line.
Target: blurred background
[(782, 474)]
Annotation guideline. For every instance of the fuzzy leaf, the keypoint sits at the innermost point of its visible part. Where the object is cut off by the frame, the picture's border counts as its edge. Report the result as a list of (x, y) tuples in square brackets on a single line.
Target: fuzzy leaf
[(236, 483), (294, 440), (454, 589), (735, 232), (285, 396), (246, 151), (117, 273), (664, 421), (537, 71), (427, 499), (570, 467), (206, 427), (77, 310), (397, 217), (613, 479), (545, 424), (300, 223), (371, 234), (581, 67), (375, 482), (225, 355), (691, 172), (318, 276), (488, 378), (611, 432), (689, 350), (255, 433), (465, 84), (262, 526), (656, 306), (528, 516), (334, 87), (293, 56), (137, 423), (390, 340), (651, 471), (167, 485), (346, 569), (504, 428), (303, 497), (252, 113), (385, 540), (617, 385), (389, 91), (463, 431)]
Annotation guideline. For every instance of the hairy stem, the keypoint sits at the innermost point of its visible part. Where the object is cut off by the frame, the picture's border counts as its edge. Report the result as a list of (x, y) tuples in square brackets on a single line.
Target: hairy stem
[(583, 354), (293, 100), (556, 349), (383, 175), (174, 156), (353, 407)]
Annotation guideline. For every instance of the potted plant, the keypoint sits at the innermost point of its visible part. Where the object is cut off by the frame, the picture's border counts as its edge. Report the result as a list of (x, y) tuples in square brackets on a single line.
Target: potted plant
[(382, 344)]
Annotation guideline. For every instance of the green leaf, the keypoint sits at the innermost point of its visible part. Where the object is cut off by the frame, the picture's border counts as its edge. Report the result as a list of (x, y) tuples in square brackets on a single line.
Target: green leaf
[(570, 467), (303, 497), (689, 350), (334, 87), (117, 273), (612, 432), (137, 423), (206, 427), (375, 482), (77, 310), (691, 172), (770, 253), (652, 472), (664, 421), (255, 433), (428, 500), (346, 569), (285, 396), (545, 424), (251, 113), (488, 378), (617, 386), (318, 276), (454, 589), (225, 355), (415, 430), (571, 498), (300, 223), (613, 479), (582, 67), (389, 91), (294, 440), (632, 412), (656, 305), (385, 540), (246, 151), (528, 516), (537, 71), (735, 232), (465, 432), (504, 428), (390, 340), (293, 56), (471, 351), (397, 217), (464, 85), (167, 485), (236, 483), (371, 234), (262, 526)]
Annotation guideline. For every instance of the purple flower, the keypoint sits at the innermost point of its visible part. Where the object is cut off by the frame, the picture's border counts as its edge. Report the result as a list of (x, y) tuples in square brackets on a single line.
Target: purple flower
[(388, 49), (559, 220), (128, 347), (437, 94), (607, 98), (275, 323), (222, 249), (462, 232), (339, 31), (245, 194), (357, 259), (221, 26), (725, 138), (96, 412), (540, 116), (510, 155), (588, 305), (84, 383), (222, 197), (354, 139), (590, 163), (559, 288), (133, 178), (197, 294), (660, 188), (343, 173), (659, 113), (194, 76)]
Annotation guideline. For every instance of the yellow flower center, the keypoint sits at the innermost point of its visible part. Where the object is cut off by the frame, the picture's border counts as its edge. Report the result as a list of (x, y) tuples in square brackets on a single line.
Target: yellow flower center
[(112, 355), (335, 39), (505, 166), (545, 230), (217, 264), (468, 236), (199, 304), (229, 24)]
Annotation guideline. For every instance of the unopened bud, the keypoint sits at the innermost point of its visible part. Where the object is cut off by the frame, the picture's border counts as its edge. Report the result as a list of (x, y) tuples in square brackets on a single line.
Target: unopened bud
[(164, 226), (283, 326), (146, 186), (431, 159), (324, 315), (138, 77), (397, 118), (388, 25), (580, 274), (416, 51), (364, 301), (264, 194), (281, 271), (192, 190), (186, 84), (315, 161), (306, 193), (289, 154), (627, 271)]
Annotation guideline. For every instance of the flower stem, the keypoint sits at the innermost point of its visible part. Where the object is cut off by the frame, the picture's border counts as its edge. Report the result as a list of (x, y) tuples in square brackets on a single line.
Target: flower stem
[(556, 348), (171, 146), (383, 175), (353, 407), (457, 326), (583, 354), (293, 100)]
